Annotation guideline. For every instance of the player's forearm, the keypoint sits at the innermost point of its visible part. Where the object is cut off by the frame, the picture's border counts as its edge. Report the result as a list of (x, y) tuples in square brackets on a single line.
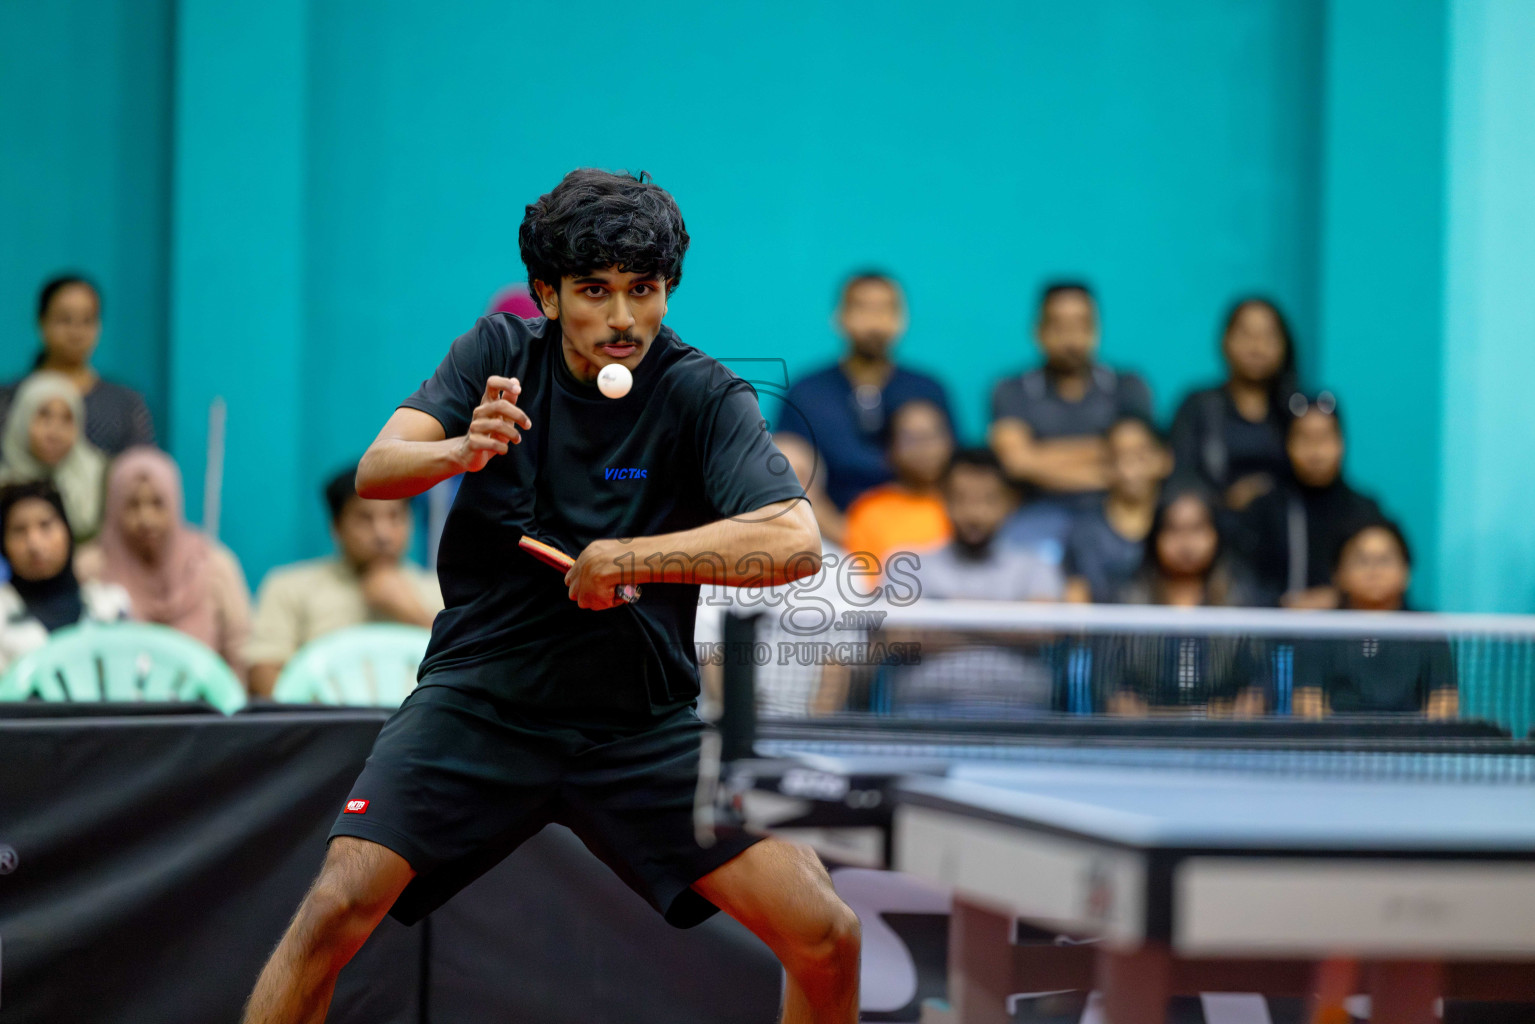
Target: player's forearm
[(396, 468), (776, 544)]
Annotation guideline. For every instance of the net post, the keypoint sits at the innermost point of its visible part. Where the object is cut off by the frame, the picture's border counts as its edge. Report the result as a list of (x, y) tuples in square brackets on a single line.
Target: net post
[(738, 698)]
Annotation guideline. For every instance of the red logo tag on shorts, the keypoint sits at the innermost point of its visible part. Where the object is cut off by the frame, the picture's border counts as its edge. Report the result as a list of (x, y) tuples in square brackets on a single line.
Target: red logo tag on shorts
[(356, 806)]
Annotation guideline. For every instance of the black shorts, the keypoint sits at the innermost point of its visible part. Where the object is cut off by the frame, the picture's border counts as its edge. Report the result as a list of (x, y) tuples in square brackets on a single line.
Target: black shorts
[(457, 781)]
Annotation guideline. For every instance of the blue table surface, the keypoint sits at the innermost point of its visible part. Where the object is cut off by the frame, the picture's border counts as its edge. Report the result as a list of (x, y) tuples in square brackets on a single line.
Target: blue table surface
[(1174, 808), (1219, 798)]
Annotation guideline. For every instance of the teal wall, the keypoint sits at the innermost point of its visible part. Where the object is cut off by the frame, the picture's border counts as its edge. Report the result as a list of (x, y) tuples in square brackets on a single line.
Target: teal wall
[(1382, 259), (1170, 158), (1487, 545), (85, 101), (297, 210)]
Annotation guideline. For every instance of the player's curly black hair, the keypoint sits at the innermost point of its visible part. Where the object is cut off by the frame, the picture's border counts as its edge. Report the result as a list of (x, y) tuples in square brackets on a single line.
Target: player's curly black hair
[(594, 219)]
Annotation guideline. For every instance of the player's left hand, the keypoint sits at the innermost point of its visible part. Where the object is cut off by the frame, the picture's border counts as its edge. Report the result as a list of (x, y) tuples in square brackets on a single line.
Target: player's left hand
[(599, 571)]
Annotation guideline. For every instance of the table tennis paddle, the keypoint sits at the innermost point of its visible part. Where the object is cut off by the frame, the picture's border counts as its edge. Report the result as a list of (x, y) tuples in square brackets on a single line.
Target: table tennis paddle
[(553, 556)]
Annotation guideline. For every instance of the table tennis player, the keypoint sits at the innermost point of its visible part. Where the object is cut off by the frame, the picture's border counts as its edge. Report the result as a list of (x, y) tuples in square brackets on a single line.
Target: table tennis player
[(548, 697)]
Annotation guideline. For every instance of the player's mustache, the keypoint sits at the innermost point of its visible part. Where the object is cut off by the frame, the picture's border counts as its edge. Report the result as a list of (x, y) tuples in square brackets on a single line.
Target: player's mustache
[(622, 338)]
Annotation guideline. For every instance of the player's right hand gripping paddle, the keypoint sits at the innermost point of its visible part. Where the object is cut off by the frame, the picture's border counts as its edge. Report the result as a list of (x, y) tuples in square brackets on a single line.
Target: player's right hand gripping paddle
[(551, 555)]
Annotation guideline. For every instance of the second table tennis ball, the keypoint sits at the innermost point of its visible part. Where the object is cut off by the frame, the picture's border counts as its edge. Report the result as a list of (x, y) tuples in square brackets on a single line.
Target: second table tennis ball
[(615, 380)]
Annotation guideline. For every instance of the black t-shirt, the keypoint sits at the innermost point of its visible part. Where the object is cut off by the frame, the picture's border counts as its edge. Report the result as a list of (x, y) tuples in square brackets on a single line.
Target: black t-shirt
[(1099, 554), (688, 445), (1216, 443), (1362, 674)]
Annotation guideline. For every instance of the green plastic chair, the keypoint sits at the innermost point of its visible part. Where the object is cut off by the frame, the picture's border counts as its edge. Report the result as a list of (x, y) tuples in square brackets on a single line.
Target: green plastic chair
[(124, 661), (363, 666)]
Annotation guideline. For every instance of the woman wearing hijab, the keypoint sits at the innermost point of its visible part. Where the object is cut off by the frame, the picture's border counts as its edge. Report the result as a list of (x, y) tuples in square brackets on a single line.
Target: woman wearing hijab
[(175, 575), (43, 594), (44, 439)]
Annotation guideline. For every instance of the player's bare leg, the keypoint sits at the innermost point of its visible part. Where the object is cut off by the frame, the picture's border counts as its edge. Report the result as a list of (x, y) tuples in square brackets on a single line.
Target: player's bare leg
[(356, 887), (780, 891)]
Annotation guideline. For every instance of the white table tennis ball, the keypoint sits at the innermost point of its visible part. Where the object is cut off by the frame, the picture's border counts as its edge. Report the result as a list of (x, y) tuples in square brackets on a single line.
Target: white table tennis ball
[(615, 380)]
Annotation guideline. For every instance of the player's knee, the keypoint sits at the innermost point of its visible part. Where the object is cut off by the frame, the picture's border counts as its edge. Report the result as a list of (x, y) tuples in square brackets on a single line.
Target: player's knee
[(831, 946)]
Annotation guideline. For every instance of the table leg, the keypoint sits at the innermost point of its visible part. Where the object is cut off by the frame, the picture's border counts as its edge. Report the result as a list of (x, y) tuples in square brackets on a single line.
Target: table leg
[(1135, 986), (1404, 991), (980, 963)]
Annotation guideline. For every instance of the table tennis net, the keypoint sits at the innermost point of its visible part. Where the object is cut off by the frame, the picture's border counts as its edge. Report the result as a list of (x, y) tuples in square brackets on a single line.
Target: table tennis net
[(992, 661)]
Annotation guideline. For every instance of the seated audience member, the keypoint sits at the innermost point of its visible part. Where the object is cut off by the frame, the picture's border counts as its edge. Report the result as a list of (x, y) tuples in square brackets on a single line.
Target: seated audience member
[(69, 324), (1184, 566), (831, 520), (1106, 543), (1047, 425), (43, 594), (368, 580), (43, 440), (1232, 437), (975, 563), (843, 410), (958, 677), (1370, 674), (908, 514), (1289, 536), (793, 683), (1185, 563), (175, 575)]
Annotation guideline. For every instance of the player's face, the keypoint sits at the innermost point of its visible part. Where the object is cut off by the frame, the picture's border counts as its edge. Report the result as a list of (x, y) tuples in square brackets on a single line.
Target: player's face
[(606, 316), (1187, 541), (978, 501), (1372, 572), (36, 540), (1068, 332), (1315, 447), (373, 531), (873, 317)]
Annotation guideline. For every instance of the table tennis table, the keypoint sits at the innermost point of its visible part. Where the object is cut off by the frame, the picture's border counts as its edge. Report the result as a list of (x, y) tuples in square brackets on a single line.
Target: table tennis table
[(1182, 868)]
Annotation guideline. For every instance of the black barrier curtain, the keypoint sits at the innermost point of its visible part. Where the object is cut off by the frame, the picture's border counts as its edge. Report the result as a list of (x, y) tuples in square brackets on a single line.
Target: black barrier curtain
[(157, 860), (148, 865)]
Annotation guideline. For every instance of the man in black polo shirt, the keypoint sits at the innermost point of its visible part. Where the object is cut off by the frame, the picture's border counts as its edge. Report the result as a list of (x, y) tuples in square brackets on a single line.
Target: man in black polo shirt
[(550, 699), (1048, 425)]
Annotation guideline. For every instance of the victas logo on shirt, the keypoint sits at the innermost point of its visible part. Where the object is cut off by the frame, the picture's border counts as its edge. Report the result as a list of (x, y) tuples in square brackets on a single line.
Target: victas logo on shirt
[(623, 474), (356, 806)]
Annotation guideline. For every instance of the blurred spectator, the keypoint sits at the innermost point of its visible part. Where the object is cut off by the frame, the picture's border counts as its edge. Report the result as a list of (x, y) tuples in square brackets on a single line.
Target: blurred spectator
[(1185, 563), (1184, 567), (1369, 674), (1232, 437), (1047, 425), (42, 441), (907, 514), (1106, 543), (785, 686), (957, 677), (514, 299), (1291, 534), (975, 564), (43, 594), (368, 580), (69, 323), (843, 409), (175, 575)]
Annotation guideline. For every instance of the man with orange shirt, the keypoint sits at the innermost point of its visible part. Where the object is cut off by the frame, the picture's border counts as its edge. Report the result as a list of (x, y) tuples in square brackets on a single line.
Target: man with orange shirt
[(907, 514)]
